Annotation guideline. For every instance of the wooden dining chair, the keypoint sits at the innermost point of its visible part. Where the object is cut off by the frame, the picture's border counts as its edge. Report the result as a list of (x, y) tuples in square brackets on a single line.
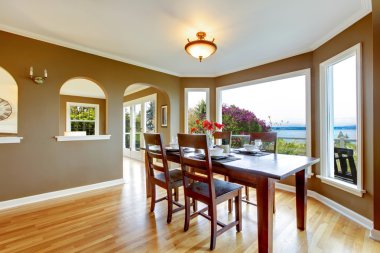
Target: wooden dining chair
[(269, 138), (200, 185), (160, 175), (224, 136)]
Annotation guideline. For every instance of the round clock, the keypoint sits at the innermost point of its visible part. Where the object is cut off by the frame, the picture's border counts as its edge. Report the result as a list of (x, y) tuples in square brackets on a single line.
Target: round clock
[(5, 109)]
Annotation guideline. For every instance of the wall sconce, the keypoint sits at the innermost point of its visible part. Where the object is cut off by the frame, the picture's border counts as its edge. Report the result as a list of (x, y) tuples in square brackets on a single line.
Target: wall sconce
[(37, 79)]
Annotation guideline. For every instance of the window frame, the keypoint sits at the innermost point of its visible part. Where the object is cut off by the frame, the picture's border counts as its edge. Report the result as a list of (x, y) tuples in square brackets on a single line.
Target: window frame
[(303, 72), (68, 119), (187, 90), (326, 123)]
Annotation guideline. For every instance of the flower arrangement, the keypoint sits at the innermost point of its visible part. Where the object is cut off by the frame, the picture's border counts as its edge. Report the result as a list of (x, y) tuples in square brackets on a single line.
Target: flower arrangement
[(206, 127)]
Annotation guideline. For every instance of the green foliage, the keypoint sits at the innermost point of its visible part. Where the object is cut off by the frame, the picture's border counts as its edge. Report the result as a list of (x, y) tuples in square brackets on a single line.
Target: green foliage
[(291, 147), (82, 113), (150, 117), (198, 112)]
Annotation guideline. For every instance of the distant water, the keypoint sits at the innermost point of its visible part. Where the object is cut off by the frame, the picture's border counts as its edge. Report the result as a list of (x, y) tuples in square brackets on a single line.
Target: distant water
[(300, 132)]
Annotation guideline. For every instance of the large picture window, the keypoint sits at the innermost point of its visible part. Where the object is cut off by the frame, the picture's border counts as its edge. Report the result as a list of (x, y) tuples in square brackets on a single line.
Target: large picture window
[(341, 121), (279, 103), (82, 117), (197, 106)]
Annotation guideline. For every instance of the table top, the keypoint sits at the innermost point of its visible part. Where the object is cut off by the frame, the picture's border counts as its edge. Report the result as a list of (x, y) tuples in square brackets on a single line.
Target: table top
[(276, 166)]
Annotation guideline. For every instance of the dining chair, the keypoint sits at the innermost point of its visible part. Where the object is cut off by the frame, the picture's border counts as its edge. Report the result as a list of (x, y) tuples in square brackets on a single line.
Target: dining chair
[(160, 175), (269, 138), (224, 136), (200, 185)]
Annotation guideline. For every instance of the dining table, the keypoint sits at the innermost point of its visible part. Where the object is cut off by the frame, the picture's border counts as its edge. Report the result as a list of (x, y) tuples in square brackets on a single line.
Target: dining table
[(262, 170)]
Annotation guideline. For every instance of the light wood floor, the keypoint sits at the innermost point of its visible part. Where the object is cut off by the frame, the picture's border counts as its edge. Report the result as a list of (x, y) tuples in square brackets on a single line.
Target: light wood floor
[(117, 219)]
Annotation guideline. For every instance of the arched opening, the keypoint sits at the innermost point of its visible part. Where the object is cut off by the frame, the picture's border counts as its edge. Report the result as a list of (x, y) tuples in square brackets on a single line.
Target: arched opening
[(83, 108), (145, 109), (8, 104)]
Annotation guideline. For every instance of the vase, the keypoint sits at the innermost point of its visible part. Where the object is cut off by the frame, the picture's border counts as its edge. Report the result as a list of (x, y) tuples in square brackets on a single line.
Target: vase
[(210, 140)]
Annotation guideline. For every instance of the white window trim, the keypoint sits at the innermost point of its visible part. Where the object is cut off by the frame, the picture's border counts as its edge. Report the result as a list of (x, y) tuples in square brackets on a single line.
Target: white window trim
[(142, 101), (187, 90), (324, 115), (303, 72), (68, 120)]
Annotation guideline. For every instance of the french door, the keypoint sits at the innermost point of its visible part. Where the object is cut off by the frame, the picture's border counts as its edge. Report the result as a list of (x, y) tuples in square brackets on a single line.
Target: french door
[(139, 117)]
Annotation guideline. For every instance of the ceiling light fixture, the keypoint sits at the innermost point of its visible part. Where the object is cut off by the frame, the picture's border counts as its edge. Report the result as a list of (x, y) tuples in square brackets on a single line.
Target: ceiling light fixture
[(200, 48)]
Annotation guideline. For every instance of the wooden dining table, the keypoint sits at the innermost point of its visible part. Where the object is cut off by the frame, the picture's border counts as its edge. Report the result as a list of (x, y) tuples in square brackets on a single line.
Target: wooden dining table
[(263, 171)]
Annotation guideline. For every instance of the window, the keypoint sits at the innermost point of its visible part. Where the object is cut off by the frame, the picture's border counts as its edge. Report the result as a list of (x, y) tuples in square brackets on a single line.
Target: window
[(81, 117), (279, 103), (197, 102), (341, 121)]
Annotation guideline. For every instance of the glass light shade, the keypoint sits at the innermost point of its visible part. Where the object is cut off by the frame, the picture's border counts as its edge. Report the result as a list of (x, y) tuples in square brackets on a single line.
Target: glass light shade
[(200, 48)]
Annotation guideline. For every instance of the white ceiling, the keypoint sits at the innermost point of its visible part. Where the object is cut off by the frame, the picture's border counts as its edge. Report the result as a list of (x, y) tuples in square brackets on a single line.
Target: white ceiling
[(135, 88), (152, 33), (83, 88)]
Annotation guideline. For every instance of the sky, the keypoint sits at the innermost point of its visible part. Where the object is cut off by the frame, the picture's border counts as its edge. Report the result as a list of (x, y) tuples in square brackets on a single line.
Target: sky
[(285, 100)]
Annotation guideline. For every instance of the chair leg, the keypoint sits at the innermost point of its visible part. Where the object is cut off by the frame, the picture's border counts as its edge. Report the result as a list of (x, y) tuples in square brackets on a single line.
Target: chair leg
[(176, 194), (238, 212), (187, 213), (153, 198), (170, 205), (195, 205), (230, 205), (247, 193), (212, 213), (274, 201)]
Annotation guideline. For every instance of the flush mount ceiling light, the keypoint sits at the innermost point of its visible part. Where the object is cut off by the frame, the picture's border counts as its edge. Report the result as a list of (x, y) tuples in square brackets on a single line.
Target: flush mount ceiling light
[(200, 48)]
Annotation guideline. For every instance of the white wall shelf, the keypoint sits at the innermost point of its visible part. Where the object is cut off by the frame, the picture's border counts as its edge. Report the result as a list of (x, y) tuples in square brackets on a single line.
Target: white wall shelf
[(83, 138), (10, 139)]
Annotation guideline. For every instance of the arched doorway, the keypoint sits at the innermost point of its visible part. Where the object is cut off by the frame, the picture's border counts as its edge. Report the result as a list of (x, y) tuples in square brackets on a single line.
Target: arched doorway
[(8, 103), (142, 112)]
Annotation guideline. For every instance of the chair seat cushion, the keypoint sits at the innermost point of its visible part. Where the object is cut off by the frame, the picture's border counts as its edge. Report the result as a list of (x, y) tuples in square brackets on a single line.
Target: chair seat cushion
[(175, 177), (221, 187)]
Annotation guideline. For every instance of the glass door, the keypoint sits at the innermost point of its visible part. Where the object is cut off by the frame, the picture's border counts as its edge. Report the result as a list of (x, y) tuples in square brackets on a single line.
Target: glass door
[(139, 117)]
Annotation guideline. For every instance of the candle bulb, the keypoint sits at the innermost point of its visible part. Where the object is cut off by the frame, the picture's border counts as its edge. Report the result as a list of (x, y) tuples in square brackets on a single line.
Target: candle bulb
[(45, 73), (31, 71)]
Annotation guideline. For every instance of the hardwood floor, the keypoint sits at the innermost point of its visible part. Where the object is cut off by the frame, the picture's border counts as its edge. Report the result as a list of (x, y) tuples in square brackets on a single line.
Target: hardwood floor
[(117, 219)]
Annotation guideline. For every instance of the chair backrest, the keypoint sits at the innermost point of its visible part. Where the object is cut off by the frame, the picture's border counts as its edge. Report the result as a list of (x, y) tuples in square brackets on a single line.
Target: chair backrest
[(269, 137), (155, 149), (189, 163), (224, 136), (345, 158)]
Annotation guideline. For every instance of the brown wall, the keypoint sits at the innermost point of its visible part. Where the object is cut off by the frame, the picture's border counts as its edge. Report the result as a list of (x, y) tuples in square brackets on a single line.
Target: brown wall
[(62, 112), (162, 99), (376, 110), (39, 163)]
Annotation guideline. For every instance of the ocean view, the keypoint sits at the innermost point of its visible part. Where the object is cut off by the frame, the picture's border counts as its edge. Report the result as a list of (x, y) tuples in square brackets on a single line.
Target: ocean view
[(300, 131)]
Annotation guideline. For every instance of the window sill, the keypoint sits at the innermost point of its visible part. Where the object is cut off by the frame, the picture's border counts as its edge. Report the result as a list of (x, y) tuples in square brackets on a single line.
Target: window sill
[(10, 139), (342, 185), (83, 138)]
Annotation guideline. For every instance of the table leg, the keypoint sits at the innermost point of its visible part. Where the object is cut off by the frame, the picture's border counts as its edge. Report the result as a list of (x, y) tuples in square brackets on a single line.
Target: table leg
[(148, 186), (264, 195), (301, 199)]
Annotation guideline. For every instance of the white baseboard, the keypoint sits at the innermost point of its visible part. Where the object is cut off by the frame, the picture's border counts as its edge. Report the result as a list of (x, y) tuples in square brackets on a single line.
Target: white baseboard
[(57, 194), (359, 219), (375, 234)]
